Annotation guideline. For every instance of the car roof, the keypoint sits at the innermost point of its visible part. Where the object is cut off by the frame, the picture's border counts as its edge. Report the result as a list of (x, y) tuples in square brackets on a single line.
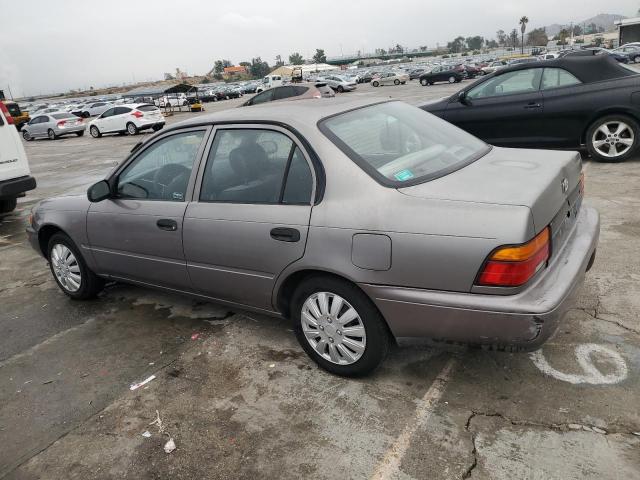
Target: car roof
[(587, 69), (295, 114)]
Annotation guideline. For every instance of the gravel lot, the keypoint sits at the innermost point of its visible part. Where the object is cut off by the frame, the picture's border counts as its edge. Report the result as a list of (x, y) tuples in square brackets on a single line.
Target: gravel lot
[(241, 400)]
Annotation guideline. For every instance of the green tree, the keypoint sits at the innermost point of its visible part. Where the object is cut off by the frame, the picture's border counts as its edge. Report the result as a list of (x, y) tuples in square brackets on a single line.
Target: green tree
[(492, 44), (296, 59), (523, 27), (513, 38), (456, 45), (259, 68), (562, 36), (319, 57), (501, 37), (279, 62), (538, 37), (245, 64), (474, 43), (220, 65)]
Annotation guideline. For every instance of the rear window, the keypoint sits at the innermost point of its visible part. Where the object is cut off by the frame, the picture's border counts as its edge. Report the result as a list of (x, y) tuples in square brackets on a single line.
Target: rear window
[(62, 116), (147, 108), (400, 145)]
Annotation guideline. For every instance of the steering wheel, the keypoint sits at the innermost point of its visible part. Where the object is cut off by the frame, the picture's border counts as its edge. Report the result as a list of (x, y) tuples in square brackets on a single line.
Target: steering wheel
[(170, 179)]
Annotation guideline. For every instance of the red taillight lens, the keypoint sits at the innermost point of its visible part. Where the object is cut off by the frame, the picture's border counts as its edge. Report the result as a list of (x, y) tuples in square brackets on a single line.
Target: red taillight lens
[(7, 115), (137, 114), (514, 265), (62, 123)]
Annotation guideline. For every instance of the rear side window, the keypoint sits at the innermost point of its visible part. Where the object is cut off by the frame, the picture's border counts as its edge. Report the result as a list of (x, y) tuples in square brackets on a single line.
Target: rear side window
[(299, 184), (263, 97), (284, 92), (298, 90), (147, 108), (556, 78), (121, 110)]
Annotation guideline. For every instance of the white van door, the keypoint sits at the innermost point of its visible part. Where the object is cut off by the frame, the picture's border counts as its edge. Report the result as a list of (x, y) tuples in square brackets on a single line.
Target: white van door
[(13, 161)]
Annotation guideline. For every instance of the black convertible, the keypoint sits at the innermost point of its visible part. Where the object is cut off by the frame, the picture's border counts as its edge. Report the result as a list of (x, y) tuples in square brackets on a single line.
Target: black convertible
[(566, 103)]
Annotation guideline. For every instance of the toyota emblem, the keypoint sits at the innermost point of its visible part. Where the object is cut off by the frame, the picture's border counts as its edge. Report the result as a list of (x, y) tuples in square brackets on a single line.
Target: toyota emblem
[(565, 185)]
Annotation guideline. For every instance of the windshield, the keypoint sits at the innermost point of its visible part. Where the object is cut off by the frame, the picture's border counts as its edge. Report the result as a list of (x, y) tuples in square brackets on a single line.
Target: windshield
[(402, 145)]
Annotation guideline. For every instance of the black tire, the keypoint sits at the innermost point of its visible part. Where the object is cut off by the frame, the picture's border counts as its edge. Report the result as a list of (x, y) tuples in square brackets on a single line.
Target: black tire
[(132, 129), (8, 205), (157, 128), (340, 89), (377, 332), (375, 84), (90, 284), (52, 135), (396, 82), (610, 119), (95, 131), (80, 134), (424, 82), (26, 136), (85, 115), (452, 79)]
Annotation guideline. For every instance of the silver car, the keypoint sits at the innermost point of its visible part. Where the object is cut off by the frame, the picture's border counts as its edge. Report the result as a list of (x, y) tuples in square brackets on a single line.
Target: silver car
[(53, 126), (390, 78), (363, 222), (338, 83)]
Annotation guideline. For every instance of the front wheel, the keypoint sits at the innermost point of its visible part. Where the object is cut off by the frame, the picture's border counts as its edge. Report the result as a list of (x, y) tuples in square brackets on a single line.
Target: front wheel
[(132, 129), (95, 133), (339, 327), (424, 82), (340, 89), (375, 84), (613, 138), (157, 128), (396, 82), (69, 269), (26, 136), (452, 79)]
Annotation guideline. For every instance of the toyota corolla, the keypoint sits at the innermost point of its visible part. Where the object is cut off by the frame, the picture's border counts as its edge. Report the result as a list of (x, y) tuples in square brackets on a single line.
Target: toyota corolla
[(363, 222)]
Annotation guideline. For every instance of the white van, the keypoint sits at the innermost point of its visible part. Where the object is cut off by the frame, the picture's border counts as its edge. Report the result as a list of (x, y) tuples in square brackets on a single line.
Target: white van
[(268, 82), (15, 176)]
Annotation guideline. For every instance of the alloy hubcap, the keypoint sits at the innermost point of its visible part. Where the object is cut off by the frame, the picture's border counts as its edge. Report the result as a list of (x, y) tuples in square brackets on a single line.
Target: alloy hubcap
[(613, 139), (66, 268), (333, 328), (132, 129)]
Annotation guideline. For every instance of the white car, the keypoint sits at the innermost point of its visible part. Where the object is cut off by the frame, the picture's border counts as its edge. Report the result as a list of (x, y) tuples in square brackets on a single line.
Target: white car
[(130, 118), (390, 78), (15, 176), (172, 100), (95, 108), (268, 82)]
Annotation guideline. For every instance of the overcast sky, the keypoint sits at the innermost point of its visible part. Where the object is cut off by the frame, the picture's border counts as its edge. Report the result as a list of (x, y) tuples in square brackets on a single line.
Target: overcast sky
[(48, 46)]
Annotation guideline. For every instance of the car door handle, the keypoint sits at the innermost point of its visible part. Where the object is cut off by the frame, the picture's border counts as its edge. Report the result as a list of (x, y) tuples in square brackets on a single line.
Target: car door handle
[(284, 234), (167, 224), (532, 105)]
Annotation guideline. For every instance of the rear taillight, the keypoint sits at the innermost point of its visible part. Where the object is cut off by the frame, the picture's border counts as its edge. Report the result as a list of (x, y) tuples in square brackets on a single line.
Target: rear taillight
[(317, 95), (512, 266), (7, 115), (61, 123), (137, 114), (581, 184)]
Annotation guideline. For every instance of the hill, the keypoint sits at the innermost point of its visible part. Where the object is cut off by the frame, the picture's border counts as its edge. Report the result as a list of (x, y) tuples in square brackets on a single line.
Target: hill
[(604, 20)]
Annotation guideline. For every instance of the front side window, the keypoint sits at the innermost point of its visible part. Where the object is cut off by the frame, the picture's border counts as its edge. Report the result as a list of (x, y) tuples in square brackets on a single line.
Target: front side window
[(556, 78), (249, 166), (162, 171), (108, 113), (519, 81), (399, 144)]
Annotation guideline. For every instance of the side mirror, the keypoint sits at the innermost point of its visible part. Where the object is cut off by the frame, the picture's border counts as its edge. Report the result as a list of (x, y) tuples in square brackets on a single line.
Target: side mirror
[(99, 191), (463, 99)]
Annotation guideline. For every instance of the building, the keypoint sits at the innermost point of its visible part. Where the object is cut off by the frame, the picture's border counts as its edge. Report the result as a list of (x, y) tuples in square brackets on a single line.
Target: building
[(628, 30), (230, 72)]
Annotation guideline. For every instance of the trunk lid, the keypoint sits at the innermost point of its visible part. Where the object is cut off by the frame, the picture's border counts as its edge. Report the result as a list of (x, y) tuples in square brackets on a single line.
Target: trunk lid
[(545, 181)]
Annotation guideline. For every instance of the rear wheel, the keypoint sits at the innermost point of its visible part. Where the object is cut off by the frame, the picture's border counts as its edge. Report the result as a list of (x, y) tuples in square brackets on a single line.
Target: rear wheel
[(95, 132), (613, 138), (85, 115), (132, 129), (375, 84), (8, 205), (51, 134), (338, 326), (396, 82), (452, 79), (69, 269), (424, 82)]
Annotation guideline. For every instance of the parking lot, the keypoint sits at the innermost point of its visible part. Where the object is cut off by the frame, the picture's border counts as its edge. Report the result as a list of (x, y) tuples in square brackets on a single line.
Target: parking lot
[(242, 400)]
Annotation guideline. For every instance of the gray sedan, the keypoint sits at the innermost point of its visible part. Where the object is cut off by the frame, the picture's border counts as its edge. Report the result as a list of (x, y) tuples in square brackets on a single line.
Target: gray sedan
[(362, 222), (53, 126)]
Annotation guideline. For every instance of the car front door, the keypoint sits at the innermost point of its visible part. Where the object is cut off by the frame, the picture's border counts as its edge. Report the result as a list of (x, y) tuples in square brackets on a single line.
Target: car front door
[(105, 122), (504, 110), (36, 126), (250, 216), (137, 234)]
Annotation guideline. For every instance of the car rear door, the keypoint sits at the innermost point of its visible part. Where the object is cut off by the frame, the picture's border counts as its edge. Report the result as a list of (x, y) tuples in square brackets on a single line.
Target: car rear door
[(504, 110), (250, 215), (137, 234)]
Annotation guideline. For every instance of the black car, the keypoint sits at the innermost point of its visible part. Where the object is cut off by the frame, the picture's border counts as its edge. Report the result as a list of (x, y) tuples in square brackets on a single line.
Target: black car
[(567, 103), (443, 73), (413, 74)]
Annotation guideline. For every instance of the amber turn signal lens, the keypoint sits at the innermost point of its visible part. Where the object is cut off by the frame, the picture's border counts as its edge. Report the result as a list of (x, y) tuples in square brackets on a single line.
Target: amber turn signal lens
[(522, 252)]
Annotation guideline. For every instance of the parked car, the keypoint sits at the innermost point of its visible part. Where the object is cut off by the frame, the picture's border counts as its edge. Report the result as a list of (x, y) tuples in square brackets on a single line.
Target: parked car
[(390, 78), (472, 71), (440, 73), (19, 117), (523, 60), (94, 109), (269, 216), (338, 83), (15, 176), (620, 57), (415, 73), (195, 105), (299, 91), (632, 52), (53, 126), (566, 103), (172, 100), (132, 119), (493, 66)]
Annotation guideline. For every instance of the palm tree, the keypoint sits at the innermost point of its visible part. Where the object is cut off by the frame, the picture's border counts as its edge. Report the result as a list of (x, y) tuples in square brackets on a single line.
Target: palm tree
[(523, 27)]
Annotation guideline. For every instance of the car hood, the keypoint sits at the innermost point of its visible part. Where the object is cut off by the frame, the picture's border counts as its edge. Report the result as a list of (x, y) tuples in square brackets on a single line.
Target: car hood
[(509, 176)]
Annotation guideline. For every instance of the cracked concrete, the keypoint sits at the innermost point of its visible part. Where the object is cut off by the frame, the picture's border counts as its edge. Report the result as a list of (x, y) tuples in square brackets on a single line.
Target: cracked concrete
[(242, 400)]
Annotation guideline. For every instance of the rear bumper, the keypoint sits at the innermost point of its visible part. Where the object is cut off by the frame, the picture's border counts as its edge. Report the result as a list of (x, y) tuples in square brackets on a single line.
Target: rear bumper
[(15, 186), (70, 130), (525, 320)]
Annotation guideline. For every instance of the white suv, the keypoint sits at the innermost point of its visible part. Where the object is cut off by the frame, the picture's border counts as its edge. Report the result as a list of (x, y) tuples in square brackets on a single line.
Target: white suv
[(130, 118), (15, 176)]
